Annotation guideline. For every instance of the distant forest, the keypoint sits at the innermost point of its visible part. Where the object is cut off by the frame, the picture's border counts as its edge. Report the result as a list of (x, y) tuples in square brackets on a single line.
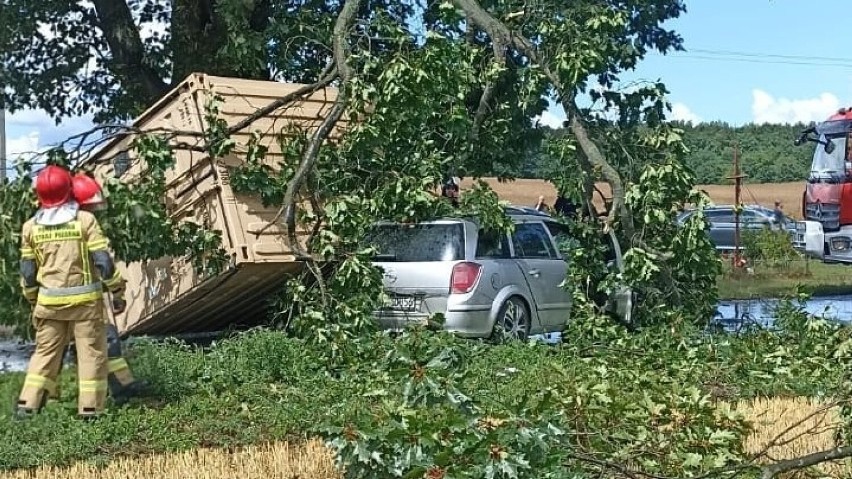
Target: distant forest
[(767, 154)]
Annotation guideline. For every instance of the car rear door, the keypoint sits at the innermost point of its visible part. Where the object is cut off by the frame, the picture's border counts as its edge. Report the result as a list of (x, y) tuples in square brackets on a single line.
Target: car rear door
[(754, 221), (721, 227), (417, 260), (544, 271)]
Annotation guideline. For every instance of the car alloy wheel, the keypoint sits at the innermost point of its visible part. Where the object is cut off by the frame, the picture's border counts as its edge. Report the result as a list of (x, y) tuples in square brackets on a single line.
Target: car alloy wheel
[(513, 320)]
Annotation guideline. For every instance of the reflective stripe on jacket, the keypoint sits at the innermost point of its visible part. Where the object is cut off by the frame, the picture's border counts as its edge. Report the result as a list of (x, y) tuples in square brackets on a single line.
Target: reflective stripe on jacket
[(68, 259)]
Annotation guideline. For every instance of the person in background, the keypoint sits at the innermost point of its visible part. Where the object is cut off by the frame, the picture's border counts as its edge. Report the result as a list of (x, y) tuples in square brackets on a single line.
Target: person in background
[(779, 213), (450, 190), (565, 207), (541, 205), (122, 384), (64, 255)]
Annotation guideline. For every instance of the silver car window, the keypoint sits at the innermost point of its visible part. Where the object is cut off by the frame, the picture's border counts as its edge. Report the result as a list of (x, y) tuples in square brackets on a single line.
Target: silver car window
[(720, 216), (752, 217), (532, 241), (418, 242), (559, 232), (491, 244)]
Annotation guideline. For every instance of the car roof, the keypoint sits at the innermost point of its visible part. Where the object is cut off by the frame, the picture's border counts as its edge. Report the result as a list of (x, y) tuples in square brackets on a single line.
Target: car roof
[(760, 208), (517, 213), (731, 206), (513, 210)]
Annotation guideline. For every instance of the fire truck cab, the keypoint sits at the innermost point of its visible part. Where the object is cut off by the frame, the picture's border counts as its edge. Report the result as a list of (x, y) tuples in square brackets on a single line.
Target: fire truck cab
[(826, 231)]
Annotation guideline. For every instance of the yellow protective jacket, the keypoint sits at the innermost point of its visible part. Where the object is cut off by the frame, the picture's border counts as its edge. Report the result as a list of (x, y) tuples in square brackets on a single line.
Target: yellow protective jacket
[(62, 267)]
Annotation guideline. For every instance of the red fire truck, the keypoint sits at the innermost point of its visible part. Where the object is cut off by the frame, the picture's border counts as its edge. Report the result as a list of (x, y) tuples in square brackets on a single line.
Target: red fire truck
[(826, 232)]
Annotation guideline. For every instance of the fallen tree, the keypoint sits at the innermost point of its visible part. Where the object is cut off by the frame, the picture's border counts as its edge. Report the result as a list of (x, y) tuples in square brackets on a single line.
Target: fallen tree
[(457, 93)]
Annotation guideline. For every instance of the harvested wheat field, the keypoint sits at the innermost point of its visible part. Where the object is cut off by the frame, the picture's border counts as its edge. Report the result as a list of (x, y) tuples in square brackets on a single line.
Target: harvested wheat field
[(311, 460), (527, 191), (790, 195), (811, 425)]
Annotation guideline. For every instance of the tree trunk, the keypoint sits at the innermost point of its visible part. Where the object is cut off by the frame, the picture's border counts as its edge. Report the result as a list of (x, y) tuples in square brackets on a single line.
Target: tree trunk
[(128, 54), (199, 34)]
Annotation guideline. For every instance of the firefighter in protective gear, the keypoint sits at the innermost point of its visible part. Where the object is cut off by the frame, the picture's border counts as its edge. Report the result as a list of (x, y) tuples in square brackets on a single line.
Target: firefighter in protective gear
[(63, 253), (122, 384)]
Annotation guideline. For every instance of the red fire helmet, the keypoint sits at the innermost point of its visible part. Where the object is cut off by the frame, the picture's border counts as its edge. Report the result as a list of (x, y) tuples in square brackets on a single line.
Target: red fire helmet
[(53, 186), (87, 191)]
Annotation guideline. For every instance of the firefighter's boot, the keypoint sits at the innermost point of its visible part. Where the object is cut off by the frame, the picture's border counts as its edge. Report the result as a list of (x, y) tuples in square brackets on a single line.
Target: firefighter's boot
[(121, 394), (23, 412), (122, 384)]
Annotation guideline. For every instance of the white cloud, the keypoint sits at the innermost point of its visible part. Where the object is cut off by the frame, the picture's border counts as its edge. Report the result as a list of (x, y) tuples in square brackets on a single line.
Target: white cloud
[(552, 120), (681, 112), (29, 123), (29, 119), (21, 146), (767, 109)]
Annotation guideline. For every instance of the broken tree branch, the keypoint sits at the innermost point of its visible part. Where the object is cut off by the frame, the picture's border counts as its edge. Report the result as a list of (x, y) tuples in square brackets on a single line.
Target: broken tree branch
[(613, 467), (309, 158), (500, 33), (328, 76), (499, 62), (311, 152), (597, 160), (808, 460)]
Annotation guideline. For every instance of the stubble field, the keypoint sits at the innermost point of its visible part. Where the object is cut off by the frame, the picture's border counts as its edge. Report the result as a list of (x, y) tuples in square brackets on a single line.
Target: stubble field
[(783, 428), (527, 191)]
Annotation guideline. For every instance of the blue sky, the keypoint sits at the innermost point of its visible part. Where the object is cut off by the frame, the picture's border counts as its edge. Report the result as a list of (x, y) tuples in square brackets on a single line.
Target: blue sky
[(743, 63), (775, 61)]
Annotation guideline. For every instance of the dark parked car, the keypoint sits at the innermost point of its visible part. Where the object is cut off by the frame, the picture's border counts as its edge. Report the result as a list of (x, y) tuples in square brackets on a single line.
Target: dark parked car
[(752, 218)]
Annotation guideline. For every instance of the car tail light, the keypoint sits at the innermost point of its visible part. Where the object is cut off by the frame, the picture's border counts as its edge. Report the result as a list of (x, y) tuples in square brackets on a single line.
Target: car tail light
[(464, 278)]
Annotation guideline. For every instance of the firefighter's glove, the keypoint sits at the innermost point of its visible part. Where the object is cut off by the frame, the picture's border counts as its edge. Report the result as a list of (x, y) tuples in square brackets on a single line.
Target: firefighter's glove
[(118, 303), (31, 294)]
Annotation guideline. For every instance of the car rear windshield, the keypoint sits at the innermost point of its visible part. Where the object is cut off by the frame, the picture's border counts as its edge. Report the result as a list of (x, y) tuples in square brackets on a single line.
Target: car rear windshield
[(418, 242)]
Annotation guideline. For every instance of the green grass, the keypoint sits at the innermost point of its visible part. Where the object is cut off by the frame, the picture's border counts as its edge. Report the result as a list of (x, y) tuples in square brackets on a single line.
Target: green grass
[(809, 276), (263, 386)]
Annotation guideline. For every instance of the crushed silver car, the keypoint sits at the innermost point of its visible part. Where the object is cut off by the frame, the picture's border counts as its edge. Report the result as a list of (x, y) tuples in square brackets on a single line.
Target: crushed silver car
[(479, 281)]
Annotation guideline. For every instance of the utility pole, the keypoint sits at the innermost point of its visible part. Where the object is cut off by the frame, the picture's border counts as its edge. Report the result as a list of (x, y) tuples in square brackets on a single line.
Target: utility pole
[(738, 182), (2, 143)]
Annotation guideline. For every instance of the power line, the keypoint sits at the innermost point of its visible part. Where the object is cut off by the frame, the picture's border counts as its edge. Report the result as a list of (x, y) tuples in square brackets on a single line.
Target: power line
[(768, 55), (763, 61), (709, 54), (2, 143)]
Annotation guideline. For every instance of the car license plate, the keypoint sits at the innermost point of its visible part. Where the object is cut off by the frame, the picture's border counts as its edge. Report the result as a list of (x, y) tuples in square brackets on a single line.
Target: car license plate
[(404, 303)]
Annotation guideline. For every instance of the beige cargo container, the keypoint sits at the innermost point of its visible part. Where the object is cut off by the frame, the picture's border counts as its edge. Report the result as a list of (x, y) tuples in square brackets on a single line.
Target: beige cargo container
[(165, 296)]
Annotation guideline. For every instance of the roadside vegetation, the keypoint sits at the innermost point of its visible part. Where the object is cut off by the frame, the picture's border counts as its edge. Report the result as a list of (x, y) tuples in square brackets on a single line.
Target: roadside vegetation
[(774, 269), (798, 426), (803, 275), (669, 400)]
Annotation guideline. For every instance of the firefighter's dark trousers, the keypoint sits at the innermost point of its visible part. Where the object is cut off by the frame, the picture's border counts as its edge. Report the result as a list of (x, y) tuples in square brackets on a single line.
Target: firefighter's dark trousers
[(119, 371)]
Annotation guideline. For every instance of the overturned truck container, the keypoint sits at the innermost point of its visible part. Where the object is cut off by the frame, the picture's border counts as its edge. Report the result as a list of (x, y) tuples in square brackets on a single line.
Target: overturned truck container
[(166, 296)]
